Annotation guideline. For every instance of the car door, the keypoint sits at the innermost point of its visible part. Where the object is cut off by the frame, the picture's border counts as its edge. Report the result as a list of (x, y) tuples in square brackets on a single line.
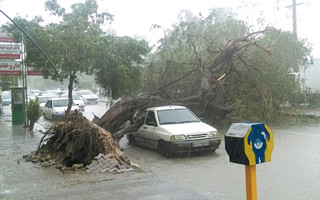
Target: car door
[(148, 131)]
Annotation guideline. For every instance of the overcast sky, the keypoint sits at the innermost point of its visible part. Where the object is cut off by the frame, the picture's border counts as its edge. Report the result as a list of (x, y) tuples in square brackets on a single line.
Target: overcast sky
[(135, 17)]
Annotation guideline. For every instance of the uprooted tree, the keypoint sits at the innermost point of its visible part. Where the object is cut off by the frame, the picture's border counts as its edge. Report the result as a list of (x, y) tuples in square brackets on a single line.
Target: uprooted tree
[(217, 68)]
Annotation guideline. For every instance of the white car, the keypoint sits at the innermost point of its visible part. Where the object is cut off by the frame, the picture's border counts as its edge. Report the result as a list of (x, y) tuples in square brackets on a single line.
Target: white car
[(6, 98), (88, 96), (42, 100), (173, 129), (56, 108), (76, 99)]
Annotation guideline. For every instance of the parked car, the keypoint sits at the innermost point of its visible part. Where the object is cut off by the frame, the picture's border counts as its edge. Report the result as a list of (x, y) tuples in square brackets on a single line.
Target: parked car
[(76, 99), (88, 96), (56, 108), (6, 98), (173, 129), (42, 100)]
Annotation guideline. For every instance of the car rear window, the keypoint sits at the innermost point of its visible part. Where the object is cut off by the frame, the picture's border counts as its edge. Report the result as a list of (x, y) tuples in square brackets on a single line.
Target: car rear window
[(60, 103)]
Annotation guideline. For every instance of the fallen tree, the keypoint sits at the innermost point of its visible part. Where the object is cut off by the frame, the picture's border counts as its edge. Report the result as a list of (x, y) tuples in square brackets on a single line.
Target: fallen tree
[(202, 101), (78, 141), (219, 69)]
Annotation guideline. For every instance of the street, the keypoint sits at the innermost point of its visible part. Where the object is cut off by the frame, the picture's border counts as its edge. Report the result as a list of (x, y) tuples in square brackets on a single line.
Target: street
[(293, 172)]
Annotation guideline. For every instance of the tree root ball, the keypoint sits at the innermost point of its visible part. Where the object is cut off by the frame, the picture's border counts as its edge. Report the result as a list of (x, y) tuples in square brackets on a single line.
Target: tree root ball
[(78, 141)]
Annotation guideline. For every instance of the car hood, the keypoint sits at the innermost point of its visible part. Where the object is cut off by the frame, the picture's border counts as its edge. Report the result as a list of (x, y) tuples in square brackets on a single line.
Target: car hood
[(188, 128), (78, 102), (63, 109), (90, 96)]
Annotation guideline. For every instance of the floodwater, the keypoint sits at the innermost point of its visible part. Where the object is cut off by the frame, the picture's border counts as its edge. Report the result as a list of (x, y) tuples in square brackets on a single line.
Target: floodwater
[(293, 173)]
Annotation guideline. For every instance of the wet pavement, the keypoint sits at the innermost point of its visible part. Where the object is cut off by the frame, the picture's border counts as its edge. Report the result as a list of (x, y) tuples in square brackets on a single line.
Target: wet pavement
[(27, 180), (293, 173)]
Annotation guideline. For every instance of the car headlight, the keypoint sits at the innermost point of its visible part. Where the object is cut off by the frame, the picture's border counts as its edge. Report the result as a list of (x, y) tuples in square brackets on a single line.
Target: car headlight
[(177, 138), (213, 134)]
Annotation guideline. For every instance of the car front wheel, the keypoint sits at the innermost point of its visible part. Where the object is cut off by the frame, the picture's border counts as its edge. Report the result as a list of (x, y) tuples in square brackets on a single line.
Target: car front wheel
[(132, 139), (164, 149)]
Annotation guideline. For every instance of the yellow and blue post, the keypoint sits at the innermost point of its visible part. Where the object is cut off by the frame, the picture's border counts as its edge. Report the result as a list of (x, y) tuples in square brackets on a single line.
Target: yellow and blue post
[(249, 144)]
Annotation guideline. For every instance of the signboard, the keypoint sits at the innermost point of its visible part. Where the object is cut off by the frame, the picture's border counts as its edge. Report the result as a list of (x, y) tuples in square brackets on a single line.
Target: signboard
[(249, 143), (10, 68), (10, 51), (3, 33), (33, 72), (5, 37)]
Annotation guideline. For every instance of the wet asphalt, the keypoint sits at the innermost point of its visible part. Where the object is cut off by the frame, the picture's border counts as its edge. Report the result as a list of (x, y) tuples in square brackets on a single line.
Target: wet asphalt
[(293, 173), (26, 180)]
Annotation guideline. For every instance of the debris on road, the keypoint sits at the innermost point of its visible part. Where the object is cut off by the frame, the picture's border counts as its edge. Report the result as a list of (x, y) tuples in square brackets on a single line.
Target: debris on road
[(78, 143)]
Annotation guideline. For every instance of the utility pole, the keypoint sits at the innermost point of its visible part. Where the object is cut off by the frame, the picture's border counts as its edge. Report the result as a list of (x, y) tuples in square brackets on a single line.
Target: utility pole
[(294, 16)]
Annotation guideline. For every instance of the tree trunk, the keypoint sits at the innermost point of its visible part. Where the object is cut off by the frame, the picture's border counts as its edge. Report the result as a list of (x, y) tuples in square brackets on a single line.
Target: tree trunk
[(31, 125), (70, 89)]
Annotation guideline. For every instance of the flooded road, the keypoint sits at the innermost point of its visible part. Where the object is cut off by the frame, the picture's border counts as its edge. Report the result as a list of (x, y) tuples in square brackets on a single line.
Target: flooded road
[(293, 173)]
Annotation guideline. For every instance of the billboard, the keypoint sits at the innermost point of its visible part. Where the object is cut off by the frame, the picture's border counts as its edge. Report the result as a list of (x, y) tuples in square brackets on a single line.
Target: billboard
[(10, 51), (33, 72), (5, 37), (10, 68)]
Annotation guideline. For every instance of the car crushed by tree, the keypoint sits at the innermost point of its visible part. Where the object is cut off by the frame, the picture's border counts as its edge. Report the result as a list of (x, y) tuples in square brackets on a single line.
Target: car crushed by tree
[(172, 130)]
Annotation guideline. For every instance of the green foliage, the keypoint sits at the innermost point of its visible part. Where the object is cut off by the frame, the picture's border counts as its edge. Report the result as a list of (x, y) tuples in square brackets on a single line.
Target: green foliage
[(77, 45), (33, 112), (190, 46), (120, 64), (257, 78), (70, 44), (266, 83)]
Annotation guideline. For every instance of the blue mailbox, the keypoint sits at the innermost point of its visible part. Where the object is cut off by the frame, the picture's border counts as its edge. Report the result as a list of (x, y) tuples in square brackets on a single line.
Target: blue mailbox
[(249, 143)]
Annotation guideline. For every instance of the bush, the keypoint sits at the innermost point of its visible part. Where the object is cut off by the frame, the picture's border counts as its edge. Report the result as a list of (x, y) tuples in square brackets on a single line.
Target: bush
[(33, 113)]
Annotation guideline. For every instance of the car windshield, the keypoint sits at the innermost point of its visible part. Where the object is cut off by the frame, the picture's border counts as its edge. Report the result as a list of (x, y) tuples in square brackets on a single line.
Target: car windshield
[(74, 96), (43, 99), (87, 92), (176, 116), (60, 103)]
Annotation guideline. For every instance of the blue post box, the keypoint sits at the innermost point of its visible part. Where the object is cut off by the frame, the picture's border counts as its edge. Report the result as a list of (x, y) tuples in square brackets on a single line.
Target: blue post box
[(249, 143)]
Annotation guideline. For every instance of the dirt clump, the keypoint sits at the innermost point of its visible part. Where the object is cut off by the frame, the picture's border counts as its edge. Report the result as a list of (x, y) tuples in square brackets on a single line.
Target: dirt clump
[(76, 143)]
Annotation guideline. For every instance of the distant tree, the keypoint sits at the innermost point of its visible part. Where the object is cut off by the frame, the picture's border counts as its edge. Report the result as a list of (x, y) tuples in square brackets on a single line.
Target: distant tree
[(119, 69), (78, 45), (70, 43)]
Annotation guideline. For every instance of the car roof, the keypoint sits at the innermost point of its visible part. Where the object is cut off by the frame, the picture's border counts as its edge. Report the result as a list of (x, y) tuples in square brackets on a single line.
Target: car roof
[(44, 96), (55, 99), (84, 90), (168, 107)]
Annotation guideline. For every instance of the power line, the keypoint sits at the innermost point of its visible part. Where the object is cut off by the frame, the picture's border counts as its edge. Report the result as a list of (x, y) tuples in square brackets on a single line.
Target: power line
[(294, 16), (45, 55)]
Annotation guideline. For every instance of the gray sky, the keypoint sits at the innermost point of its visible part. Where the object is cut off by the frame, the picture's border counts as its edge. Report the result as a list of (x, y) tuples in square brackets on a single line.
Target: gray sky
[(135, 17)]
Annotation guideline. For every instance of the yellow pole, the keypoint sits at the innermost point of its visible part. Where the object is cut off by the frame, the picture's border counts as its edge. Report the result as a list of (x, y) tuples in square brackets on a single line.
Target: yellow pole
[(251, 182)]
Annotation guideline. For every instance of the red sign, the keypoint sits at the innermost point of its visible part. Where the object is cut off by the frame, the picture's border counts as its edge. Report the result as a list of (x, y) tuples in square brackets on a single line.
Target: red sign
[(7, 39), (10, 51), (33, 72), (10, 68)]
